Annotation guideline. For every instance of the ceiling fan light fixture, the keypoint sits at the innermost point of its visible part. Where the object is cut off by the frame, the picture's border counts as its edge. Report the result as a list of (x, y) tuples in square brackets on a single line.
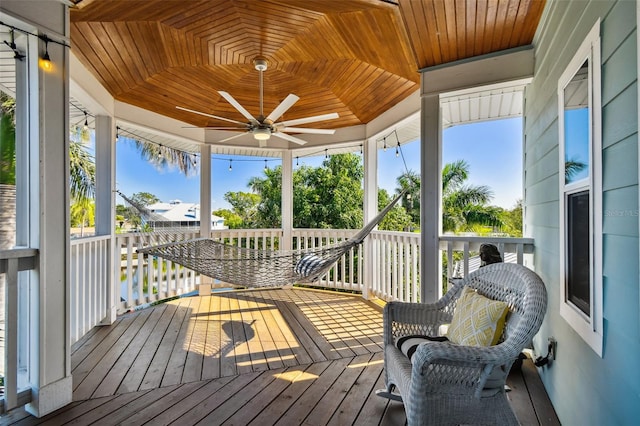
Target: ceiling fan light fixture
[(262, 134)]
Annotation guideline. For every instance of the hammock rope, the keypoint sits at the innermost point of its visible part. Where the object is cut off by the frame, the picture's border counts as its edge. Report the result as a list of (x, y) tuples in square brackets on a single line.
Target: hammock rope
[(246, 266)]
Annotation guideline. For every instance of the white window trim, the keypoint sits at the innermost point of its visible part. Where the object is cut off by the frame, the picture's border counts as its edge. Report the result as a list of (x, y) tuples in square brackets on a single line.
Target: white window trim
[(590, 328)]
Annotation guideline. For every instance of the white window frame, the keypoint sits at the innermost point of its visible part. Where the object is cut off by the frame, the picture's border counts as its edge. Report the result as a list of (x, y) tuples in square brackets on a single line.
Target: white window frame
[(589, 327)]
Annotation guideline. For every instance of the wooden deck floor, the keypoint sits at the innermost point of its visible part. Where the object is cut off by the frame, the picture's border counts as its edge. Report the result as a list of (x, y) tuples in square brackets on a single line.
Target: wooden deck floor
[(267, 357)]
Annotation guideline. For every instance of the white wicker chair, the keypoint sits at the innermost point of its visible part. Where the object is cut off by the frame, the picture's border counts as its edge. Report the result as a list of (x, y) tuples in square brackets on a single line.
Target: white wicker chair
[(450, 384)]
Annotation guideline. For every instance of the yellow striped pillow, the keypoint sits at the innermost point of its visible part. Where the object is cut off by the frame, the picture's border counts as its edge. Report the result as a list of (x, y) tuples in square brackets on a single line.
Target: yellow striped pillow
[(477, 320)]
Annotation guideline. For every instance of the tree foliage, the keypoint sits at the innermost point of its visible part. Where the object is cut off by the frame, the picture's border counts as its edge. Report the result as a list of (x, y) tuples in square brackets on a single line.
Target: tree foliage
[(231, 219), (144, 198), (410, 181), (7, 140), (245, 205), (464, 206), (163, 157), (398, 219), (82, 171), (329, 196)]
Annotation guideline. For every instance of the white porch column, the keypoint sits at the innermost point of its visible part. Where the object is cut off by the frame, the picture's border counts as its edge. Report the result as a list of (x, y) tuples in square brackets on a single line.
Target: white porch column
[(48, 301), (105, 199), (287, 200), (105, 174), (206, 283), (430, 197), (370, 151)]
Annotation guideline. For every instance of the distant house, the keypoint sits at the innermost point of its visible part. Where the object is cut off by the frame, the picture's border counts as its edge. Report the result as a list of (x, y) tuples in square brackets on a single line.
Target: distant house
[(176, 214)]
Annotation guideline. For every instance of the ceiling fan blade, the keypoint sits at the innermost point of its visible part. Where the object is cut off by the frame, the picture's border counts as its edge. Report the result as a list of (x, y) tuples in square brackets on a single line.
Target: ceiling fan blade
[(289, 138), (237, 106), (283, 107), (209, 115), (215, 128), (232, 137), (306, 130), (322, 117)]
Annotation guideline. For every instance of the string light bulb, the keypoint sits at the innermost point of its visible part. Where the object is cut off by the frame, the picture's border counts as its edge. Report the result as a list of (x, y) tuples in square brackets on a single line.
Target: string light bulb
[(265, 165), (117, 133), (86, 122), (361, 150), (384, 148), (398, 150), (230, 165), (297, 161), (326, 154), (45, 61)]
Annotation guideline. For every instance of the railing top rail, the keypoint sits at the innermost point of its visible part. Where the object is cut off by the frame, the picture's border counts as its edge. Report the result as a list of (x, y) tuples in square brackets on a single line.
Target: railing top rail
[(484, 239), (81, 240), (323, 230), (397, 233), (18, 253)]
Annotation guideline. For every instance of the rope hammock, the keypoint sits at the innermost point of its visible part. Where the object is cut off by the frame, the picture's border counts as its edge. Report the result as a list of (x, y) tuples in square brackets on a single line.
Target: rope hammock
[(252, 267)]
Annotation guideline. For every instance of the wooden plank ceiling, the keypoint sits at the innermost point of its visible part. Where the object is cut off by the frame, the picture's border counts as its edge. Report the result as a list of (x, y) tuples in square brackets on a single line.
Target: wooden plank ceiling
[(354, 57)]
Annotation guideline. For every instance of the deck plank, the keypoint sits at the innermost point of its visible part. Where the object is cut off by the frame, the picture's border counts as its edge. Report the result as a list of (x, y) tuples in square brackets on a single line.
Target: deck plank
[(301, 379), (158, 365), (179, 347), (121, 367), (289, 348), (315, 346), (283, 340), (97, 348), (216, 399), (227, 353), (171, 399), (520, 399), (124, 411), (101, 370), (241, 399), (334, 396), (544, 409), (133, 380), (269, 348), (375, 407), (197, 342), (211, 361), (357, 395), (307, 401), (255, 347), (166, 416)]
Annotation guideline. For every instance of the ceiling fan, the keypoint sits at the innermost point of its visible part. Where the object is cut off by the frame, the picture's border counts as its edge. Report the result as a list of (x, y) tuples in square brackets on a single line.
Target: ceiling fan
[(263, 127)]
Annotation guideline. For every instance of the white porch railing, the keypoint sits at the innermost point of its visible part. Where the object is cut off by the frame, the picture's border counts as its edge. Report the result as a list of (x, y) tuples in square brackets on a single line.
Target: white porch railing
[(346, 274), (144, 279), (14, 330), (396, 270), (394, 262), (90, 277), (396, 257)]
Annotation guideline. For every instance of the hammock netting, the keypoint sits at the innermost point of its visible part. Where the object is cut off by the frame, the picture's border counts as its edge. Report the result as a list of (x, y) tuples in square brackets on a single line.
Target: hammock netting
[(246, 266)]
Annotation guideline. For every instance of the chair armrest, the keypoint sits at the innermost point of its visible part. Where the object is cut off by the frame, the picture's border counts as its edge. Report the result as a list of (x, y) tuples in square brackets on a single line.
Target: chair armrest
[(434, 352), (465, 368), (400, 319)]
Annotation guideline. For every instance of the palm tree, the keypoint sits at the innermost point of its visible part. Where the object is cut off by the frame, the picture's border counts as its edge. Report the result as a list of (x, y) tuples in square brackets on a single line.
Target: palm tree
[(7, 171), (162, 156), (82, 170), (464, 206), (410, 181)]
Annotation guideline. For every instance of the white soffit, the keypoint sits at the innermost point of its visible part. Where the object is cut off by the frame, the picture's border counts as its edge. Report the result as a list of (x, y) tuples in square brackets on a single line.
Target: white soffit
[(7, 66), (493, 103)]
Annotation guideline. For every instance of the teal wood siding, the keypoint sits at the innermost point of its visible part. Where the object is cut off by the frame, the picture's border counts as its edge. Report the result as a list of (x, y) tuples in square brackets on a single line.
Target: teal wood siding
[(586, 389)]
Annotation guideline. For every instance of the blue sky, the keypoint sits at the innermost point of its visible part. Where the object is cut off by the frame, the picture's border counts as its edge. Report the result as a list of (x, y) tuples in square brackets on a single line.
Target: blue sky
[(492, 149)]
